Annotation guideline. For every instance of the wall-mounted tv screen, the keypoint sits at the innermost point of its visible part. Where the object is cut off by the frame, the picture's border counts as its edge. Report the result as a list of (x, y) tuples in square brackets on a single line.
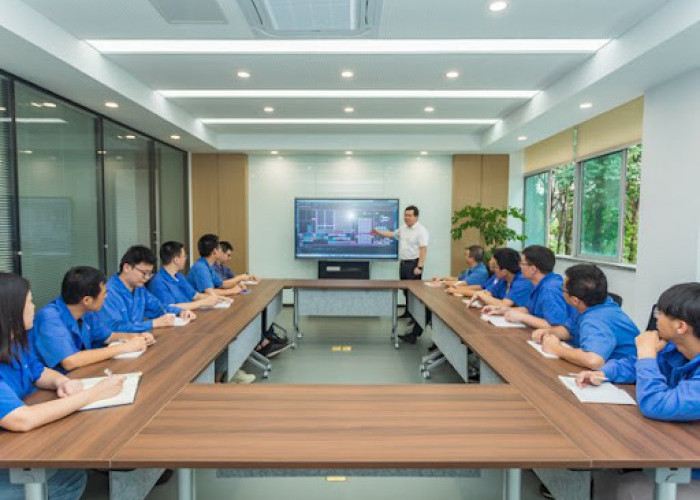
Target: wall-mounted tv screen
[(342, 228)]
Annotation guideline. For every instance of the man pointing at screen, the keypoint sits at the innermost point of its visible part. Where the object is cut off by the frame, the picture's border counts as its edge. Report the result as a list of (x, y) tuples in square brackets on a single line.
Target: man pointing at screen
[(413, 247)]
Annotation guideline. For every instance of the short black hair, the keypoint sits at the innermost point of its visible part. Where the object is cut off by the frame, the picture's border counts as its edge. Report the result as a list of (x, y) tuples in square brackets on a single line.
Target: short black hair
[(13, 334), (80, 282), (540, 257), (226, 246), (207, 244), (588, 283), (136, 255), (169, 250), (682, 302), (507, 259), (414, 208), (476, 252)]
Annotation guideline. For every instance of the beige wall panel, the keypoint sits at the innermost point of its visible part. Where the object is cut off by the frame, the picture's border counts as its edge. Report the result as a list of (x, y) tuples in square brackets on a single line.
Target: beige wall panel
[(233, 207), (553, 151), (205, 197), (494, 185), (466, 190), (617, 128)]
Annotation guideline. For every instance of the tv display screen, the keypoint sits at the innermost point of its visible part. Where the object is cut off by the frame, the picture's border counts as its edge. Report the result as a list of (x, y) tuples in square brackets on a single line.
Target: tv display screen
[(342, 228)]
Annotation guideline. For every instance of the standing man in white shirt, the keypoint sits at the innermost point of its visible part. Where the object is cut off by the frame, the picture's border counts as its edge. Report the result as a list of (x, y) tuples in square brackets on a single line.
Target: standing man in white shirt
[(413, 247)]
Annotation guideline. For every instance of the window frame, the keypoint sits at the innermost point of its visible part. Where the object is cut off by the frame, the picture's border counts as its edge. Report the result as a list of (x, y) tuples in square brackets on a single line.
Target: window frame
[(577, 254)]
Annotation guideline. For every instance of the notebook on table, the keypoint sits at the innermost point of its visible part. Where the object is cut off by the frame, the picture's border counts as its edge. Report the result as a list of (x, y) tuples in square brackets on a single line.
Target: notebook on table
[(125, 397), (603, 393), (501, 322)]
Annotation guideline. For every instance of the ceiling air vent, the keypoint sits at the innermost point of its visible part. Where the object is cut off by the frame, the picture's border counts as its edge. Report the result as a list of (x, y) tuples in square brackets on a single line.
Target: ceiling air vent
[(312, 18), (189, 11)]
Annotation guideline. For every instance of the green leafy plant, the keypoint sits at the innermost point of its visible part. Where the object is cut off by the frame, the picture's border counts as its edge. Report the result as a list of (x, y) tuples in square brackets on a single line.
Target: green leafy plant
[(492, 223)]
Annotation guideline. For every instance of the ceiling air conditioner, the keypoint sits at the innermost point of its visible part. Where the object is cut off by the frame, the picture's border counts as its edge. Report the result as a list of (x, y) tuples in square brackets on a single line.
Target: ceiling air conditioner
[(312, 18)]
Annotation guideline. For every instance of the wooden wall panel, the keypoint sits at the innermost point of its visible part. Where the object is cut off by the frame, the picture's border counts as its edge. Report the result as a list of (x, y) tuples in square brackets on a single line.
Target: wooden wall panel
[(220, 202), (476, 179)]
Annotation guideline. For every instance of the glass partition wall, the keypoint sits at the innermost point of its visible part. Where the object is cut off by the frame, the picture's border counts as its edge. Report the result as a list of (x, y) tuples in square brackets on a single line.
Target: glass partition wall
[(79, 189)]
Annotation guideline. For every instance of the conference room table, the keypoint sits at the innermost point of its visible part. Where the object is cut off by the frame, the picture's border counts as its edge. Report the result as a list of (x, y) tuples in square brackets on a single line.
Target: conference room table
[(529, 421)]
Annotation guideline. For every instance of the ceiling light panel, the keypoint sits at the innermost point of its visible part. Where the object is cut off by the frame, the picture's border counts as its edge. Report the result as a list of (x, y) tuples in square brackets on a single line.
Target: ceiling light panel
[(348, 121), (312, 18), (349, 94)]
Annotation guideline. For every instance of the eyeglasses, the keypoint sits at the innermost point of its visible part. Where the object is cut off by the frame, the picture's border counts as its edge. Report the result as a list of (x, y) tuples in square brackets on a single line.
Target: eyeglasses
[(146, 274)]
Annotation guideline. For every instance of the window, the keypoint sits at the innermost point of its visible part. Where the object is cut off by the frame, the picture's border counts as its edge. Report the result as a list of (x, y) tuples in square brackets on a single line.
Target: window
[(57, 180), (536, 209), (171, 169), (593, 207)]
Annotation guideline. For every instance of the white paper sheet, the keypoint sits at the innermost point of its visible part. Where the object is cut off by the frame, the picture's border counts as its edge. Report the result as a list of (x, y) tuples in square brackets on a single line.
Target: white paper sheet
[(126, 397), (603, 393)]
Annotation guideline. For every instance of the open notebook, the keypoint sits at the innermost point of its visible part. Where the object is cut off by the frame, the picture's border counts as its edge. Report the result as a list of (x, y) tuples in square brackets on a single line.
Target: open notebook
[(126, 397), (501, 322), (126, 355), (224, 304), (538, 348), (604, 393)]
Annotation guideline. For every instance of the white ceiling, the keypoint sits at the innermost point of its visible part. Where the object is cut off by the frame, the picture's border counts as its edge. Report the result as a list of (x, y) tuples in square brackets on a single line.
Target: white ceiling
[(652, 40)]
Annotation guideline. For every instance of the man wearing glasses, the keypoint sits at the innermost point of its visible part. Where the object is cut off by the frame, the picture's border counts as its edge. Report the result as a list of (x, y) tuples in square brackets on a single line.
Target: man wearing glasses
[(129, 306)]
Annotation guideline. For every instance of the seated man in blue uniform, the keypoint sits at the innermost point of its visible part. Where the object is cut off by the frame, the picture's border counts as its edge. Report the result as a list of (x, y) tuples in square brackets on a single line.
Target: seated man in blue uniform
[(512, 289), (203, 276), (598, 329), (667, 373), (68, 332), (546, 306), (225, 272), (475, 273), (129, 306), (21, 372), (171, 287)]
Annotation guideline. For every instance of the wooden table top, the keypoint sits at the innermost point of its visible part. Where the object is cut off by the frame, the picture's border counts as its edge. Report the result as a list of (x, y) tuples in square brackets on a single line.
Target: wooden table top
[(349, 426)]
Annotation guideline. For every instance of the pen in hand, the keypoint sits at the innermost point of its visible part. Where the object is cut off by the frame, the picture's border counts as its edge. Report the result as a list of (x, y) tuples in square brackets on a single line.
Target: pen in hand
[(597, 377), (108, 372)]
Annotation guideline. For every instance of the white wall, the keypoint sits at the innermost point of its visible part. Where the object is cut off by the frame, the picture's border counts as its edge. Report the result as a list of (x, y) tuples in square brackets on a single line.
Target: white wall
[(273, 185), (669, 216)]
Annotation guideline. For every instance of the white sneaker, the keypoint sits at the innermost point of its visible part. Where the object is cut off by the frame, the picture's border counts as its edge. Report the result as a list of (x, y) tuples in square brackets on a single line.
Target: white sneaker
[(242, 377)]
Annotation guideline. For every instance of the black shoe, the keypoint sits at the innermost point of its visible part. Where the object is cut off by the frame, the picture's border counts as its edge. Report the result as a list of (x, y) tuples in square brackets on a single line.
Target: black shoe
[(405, 314), (432, 347), (409, 338), (273, 349), (544, 491), (411, 322), (164, 477)]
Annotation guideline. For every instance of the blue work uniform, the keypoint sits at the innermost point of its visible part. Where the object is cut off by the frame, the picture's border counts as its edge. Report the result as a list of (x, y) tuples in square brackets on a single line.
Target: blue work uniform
[(171, 289), (202, 276), (477, 275), (57, 335), (547, 301), (519, 290), (133, 312), (605, 330), (491, 283), (223, 271), (17, 380)]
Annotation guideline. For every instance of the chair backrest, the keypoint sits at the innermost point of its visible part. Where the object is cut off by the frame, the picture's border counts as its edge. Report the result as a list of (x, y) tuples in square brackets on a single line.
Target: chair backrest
[(652, 319), (616, 298)]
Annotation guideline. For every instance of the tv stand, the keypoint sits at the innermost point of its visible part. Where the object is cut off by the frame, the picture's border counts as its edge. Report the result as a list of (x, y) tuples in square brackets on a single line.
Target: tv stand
[(343, 269)]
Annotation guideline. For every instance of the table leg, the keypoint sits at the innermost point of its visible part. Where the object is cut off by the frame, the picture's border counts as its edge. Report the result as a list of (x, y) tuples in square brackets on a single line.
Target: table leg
[(394, 319), (666, 481), (296, 315), (511, 484), (186, 484)]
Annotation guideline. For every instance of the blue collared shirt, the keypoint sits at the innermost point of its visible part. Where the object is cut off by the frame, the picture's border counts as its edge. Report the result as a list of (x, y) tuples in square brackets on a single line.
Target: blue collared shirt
[(605, 330), (668, 387), (126, 311), (223, 271), (519, 290), (547, 300), (17, 380), (57, 335), (491, 283), (202, 276), (477, 275), (171, 290)]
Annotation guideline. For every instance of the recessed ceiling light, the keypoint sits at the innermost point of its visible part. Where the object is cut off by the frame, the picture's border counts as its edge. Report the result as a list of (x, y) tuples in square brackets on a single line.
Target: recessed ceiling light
[(452, 74), (269, 109), (522, 138), (424, 153), (48, 104), (498, 6), (26, 151), (243, 74), (348, 121), (359, 46), (428, 109), (3, 108), (35, 104), (175, 137), (111, 104), (274, 152), (351, 94), (585, 105), (349, 109), (347, 73), (348, 152), (130, 137)]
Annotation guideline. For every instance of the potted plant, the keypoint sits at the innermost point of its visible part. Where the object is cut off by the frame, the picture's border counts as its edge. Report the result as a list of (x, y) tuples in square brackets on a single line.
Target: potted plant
[(492, 224)]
